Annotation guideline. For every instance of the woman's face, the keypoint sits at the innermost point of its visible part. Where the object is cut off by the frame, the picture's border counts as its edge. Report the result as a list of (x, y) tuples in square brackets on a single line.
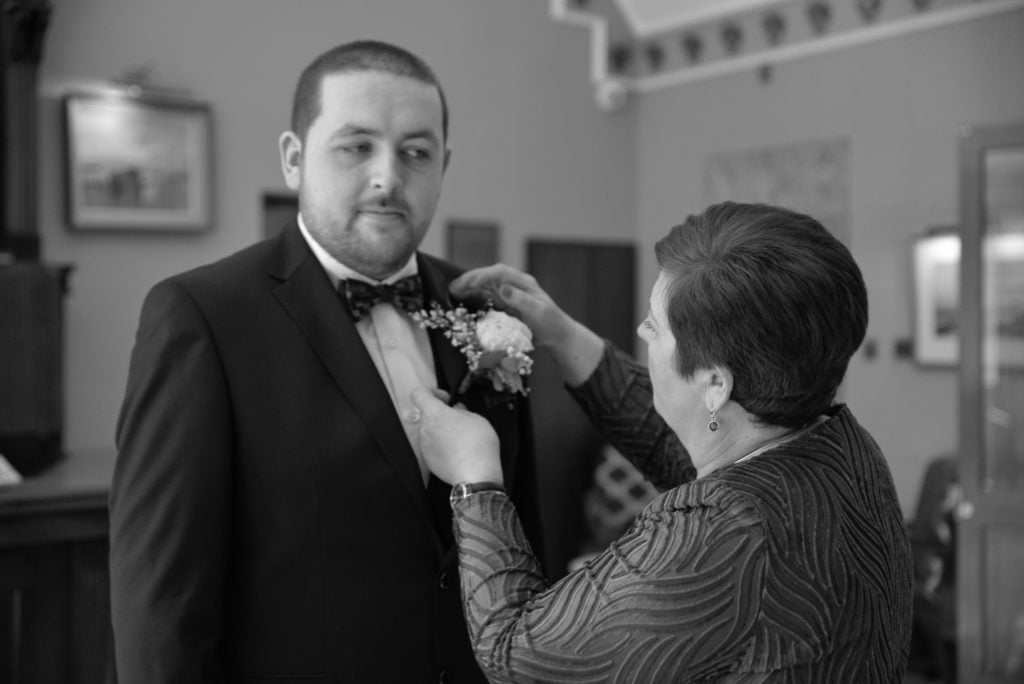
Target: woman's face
[(678, 400)]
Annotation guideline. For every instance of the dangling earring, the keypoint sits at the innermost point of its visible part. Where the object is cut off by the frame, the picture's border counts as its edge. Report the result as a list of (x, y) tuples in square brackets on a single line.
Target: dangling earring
[(713, 423)]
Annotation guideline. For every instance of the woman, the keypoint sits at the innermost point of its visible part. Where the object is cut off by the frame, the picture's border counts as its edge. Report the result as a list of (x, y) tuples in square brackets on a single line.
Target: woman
[(777, 551)]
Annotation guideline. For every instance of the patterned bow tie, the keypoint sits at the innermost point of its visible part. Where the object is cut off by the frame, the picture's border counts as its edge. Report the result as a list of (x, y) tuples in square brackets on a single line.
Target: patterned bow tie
[(406, 294)]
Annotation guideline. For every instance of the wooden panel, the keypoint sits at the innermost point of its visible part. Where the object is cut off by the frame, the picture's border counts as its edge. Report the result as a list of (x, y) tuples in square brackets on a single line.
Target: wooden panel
[(31, 381), (55, 614), (595, 283), (10, 633), (23, 25), (54, 587), (92, 639), (471, 244), (35, 594)]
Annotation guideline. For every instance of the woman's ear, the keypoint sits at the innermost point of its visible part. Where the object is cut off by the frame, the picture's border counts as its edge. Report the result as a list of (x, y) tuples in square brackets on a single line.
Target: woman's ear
[(718, 387)]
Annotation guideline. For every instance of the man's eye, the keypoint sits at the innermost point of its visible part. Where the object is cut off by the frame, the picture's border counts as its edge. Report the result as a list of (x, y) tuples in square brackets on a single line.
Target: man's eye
[(356, 148), (418, 153)]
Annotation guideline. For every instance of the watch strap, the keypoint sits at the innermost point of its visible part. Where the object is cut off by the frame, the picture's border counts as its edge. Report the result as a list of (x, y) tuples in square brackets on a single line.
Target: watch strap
[(461, 490)]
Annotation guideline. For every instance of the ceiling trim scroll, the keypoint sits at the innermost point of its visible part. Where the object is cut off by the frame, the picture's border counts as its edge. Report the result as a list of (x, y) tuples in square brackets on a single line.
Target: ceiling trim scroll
[(685, 14), (630, 54)]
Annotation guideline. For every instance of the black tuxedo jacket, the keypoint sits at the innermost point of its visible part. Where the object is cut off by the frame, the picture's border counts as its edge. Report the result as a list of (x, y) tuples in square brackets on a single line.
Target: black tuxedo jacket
[(268, 519)]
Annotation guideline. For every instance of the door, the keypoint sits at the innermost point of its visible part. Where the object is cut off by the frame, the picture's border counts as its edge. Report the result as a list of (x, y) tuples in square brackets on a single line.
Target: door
[(595, 284), (990, 530)]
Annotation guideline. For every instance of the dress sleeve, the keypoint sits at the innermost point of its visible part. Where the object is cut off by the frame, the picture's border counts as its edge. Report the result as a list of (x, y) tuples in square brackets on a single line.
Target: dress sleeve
[(674, 599), (619, 401), (169, 499)]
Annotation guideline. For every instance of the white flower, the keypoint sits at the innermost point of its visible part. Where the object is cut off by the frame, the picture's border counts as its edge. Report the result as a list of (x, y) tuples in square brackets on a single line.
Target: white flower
[(496, 347), (497, 331)]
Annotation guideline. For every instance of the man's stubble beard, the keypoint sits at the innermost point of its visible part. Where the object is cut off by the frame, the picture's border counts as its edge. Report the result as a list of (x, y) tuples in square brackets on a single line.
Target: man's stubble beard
[(374, 256)]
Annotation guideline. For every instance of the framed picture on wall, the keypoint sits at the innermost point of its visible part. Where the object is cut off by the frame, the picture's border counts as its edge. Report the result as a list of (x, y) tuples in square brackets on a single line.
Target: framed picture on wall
[(472, 243), (937, 298), (137, 163)]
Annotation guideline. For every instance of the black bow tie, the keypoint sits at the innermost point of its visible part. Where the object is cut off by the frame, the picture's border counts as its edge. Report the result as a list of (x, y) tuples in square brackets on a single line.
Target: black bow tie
[(406, 294)]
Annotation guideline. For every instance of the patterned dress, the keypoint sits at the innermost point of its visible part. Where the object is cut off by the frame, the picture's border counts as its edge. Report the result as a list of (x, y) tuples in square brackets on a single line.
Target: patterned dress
[(792, 566)]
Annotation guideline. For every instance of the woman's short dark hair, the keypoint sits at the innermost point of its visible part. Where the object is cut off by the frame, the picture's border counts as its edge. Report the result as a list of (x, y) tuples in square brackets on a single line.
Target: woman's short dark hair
[(773, 296), (360, 55)]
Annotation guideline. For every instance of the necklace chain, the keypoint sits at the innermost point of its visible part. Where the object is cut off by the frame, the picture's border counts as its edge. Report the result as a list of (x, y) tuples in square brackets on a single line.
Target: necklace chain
[(793, 434)]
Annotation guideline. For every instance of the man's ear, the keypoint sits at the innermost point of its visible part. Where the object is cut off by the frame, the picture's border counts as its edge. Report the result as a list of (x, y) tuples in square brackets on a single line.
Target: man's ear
[(291, 159), (718, 388)]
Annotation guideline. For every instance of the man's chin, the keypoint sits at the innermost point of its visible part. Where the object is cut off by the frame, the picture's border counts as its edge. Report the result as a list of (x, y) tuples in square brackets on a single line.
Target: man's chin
[(381, 259), (383, 223)]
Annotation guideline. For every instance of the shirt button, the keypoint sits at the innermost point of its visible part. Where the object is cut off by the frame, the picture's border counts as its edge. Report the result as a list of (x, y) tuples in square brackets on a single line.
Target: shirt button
[(392, 343), (412, 415), (444, 581)]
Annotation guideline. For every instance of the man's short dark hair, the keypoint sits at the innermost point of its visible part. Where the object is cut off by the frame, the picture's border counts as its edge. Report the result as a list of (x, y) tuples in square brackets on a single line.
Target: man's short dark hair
[(360, 55), (770, 294)]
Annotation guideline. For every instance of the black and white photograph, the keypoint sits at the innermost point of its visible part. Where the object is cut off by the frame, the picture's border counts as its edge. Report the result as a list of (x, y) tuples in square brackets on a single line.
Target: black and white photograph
[(606, 341)]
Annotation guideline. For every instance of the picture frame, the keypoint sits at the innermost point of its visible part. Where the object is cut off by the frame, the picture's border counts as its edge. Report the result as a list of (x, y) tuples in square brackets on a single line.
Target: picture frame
[(937, 298), (472, 243), (139, 163)]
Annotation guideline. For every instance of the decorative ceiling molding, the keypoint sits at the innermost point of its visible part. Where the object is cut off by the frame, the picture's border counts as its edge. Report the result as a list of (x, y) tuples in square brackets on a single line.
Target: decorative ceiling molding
[(628, 54), (644, 22)]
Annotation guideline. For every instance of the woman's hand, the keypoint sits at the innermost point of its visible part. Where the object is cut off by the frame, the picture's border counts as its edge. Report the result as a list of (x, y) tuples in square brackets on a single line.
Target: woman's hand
[(520, 294), (575, 348), (457, 446)]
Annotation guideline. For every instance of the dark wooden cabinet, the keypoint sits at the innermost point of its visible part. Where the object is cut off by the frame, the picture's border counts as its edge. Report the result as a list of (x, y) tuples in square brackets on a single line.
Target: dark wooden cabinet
[(31, 368), (54, 591)]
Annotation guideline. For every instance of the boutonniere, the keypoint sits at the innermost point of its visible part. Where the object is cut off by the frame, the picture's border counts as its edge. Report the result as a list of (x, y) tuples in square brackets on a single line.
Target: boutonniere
[(496, 346)]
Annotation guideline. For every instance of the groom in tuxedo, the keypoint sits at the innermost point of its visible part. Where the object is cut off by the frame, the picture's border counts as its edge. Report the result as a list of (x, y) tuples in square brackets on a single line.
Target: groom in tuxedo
[(272, 519)]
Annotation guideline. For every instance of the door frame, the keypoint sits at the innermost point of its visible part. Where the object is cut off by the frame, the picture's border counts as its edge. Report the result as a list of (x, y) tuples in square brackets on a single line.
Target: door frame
[(982, 504)]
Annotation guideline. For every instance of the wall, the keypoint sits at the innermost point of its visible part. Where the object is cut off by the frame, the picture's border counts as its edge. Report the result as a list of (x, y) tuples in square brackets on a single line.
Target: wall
[(900, 103), (533, 153), (530, 150)]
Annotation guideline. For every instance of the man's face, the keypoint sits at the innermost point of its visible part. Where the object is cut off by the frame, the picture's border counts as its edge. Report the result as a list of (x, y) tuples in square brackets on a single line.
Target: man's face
[(369, 171)]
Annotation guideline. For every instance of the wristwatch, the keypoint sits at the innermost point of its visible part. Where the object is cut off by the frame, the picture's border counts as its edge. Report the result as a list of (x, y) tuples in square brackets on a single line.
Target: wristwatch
[(461, 490)]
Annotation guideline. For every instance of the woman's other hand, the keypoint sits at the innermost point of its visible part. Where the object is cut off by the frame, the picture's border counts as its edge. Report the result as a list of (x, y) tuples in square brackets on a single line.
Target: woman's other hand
[(457, 446)]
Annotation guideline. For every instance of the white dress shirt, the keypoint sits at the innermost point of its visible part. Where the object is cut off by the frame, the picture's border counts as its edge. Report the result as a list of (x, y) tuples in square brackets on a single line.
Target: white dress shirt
[(400, 348)]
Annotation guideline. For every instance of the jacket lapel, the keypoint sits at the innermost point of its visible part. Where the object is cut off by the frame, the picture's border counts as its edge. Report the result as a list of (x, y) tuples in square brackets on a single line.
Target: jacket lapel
[(451, 368), (305, 291), (449, 364)]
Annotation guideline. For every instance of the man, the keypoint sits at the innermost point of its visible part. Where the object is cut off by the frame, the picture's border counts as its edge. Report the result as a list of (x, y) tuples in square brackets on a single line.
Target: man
[(271, 517)]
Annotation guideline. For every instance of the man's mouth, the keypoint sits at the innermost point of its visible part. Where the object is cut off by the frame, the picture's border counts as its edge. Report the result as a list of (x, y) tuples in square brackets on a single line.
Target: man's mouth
[(384, 211)]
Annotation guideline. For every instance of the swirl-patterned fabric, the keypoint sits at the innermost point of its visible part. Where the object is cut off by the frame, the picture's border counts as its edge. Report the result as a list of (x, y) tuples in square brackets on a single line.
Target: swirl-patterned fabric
[(793, 566)]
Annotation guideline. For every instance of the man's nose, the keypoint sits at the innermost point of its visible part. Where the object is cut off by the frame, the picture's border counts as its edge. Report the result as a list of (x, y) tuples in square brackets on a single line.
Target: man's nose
[(386, 174)]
